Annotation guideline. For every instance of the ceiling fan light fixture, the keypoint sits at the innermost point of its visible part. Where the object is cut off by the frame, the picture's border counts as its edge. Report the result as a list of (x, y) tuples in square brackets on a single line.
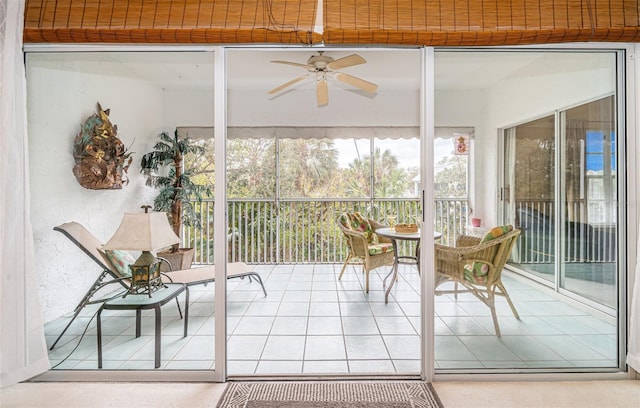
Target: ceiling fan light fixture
[(322, 65)]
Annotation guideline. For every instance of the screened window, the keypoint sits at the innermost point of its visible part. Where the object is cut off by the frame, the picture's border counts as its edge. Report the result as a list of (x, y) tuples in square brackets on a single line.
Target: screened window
[(451, 170)]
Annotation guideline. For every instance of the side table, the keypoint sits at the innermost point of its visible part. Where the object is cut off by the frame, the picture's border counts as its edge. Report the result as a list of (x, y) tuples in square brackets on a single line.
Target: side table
[(141, 302), (398, 259), (476, 231)]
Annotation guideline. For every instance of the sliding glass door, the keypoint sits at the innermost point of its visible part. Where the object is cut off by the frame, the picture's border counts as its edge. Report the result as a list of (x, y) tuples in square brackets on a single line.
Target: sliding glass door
[(528, 194), (590, 201), (136, 95), (543, 158), (541, 135), (560, 188)]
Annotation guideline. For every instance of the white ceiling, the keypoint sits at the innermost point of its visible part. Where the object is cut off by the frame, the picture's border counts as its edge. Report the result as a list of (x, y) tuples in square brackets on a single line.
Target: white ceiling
[(251, 68), (400, 69)]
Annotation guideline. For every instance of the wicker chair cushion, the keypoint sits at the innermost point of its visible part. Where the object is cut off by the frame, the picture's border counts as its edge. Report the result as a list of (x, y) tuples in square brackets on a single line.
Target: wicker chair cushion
[(496, 232), (377, 249), (120, 260), (358, 222), (477, 272)]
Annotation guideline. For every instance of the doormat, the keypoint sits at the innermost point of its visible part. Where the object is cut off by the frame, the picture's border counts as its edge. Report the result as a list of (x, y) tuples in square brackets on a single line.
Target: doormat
[(330, 394)]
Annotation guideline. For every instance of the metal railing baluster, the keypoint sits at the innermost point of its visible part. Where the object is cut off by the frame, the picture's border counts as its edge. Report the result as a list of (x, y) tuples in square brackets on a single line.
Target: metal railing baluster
[(303, 230)]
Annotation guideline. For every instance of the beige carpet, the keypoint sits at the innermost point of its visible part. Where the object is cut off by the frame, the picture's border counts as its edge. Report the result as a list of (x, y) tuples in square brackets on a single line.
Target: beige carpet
[(521, 394), (330, 394)]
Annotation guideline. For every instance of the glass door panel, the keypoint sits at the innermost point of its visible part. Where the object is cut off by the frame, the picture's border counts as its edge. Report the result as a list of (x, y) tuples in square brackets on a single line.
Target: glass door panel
[(296, 166), (529, 194), (141, 94), (590, 202), (558, 181)]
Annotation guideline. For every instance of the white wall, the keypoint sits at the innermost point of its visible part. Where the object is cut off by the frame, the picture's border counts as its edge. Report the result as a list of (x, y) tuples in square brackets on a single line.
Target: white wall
[(257, 108), (512, 102), (345, 108), (60, 97), (456, 108), (189, 107)]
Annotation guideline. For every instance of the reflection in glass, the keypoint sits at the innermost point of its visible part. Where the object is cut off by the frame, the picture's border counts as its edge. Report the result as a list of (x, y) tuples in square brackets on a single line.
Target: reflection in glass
[(533, 148), (589, 263)]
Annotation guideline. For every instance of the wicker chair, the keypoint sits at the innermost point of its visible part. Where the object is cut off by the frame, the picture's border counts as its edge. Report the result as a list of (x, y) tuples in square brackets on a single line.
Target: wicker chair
[(365, 247), (460, 263)]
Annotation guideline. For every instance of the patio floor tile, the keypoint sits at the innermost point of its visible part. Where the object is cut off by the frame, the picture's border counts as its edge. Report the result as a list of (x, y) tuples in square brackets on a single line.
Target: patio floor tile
[(313, 323), (284, 348), (325, 348), (366, 347)]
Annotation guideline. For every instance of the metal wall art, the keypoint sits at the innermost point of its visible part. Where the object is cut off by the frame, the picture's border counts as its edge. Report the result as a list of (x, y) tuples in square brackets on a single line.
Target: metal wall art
[(101, 158)]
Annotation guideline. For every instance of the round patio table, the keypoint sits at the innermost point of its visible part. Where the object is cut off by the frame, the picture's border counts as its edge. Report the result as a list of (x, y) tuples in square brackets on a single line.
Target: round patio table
[(395, 236)]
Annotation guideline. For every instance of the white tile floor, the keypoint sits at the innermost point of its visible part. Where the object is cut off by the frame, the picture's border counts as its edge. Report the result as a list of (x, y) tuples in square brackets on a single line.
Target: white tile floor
[(312, 323)]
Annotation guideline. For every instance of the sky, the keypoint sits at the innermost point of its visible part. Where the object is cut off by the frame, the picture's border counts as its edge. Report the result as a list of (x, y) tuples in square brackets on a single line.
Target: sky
[(407, 150)]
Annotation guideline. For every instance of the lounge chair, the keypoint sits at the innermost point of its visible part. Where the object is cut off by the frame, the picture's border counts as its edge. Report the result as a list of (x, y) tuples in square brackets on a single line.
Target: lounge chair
[(111, 274)]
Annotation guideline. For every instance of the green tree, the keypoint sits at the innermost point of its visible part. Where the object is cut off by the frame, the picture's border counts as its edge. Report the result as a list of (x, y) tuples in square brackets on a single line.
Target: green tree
[(307, 167), (251, 168), (390, 180), (202, 164), (451, 178)]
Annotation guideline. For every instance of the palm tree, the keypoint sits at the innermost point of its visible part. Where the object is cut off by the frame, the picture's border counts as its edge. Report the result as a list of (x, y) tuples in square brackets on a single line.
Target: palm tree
[(390, 180), (307, 167), (176, 187)]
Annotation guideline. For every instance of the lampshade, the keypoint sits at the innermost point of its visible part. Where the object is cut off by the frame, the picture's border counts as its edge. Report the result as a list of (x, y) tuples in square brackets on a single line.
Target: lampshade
[(143, 232)]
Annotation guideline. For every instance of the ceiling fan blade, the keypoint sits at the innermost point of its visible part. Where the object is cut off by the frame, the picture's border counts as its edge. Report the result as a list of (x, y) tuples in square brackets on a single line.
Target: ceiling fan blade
[(287, 84), (322, 92), (295, 64), (345, 62), (355, 81)]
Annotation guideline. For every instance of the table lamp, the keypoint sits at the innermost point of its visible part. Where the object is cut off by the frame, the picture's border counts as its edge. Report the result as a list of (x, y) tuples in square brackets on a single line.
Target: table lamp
[(146, 232)]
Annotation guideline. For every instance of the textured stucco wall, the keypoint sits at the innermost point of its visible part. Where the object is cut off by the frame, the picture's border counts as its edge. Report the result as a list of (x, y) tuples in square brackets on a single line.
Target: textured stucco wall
[(61, 95)]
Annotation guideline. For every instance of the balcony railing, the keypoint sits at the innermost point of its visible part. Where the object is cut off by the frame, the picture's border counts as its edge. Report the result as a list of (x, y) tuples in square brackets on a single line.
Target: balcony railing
[(305, 231), (582, 241)]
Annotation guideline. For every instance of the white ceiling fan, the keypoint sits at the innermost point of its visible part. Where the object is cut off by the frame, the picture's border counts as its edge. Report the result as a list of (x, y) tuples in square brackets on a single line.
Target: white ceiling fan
[(323, 67)]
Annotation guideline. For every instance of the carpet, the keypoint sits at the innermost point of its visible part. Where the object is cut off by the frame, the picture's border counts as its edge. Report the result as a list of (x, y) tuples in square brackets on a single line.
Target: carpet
[(330, 394)]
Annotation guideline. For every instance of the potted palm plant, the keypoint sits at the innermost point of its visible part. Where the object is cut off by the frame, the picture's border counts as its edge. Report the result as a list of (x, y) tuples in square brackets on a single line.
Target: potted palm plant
[(164, 168)]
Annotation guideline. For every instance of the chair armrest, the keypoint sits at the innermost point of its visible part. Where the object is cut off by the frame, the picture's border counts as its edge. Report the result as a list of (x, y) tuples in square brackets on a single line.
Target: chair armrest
[(353, 234), (164, 260), (450, 261), (376, 225), (357, 242), (467, 240), (469, 253), (479, 252), (125, 279)]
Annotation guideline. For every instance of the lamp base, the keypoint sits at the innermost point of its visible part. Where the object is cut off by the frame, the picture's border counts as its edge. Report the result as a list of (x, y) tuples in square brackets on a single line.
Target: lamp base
[(145, 275)]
